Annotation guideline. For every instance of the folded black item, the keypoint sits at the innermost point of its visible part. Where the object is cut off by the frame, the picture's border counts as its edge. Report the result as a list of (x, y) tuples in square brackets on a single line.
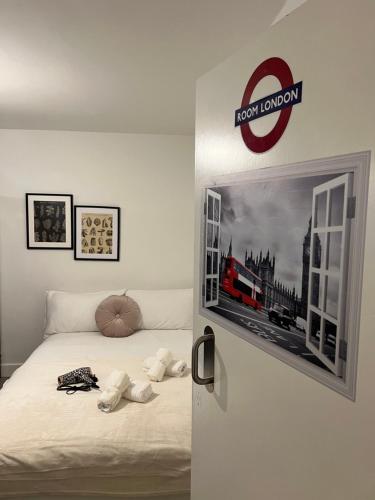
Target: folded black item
[(81, 379)]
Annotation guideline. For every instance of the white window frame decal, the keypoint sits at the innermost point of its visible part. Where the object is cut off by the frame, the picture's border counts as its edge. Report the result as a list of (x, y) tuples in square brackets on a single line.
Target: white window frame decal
[(352, 171), (325, 274), (212, 223)]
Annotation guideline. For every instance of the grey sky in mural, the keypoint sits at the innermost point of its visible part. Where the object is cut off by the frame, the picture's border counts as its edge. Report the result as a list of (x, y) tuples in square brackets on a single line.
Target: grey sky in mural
[(270, 215)]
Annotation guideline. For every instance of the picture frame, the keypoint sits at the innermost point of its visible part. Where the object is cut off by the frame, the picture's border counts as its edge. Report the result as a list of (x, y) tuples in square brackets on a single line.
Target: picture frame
[(49, 221), (97, 233), (276, 211)]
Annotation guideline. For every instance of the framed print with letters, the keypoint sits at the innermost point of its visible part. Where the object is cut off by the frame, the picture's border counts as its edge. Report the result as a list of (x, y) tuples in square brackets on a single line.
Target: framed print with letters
[(97, 233)]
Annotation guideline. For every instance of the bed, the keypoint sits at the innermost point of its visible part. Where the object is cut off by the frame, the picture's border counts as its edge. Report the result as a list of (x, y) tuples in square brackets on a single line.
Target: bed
[(54, 444)]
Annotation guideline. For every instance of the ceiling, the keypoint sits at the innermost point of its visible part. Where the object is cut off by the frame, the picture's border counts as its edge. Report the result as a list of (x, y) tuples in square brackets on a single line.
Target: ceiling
[(117, 65)]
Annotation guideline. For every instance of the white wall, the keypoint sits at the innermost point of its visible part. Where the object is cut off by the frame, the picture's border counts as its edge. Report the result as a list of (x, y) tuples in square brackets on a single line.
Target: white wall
[(269, 431), (151, 177)]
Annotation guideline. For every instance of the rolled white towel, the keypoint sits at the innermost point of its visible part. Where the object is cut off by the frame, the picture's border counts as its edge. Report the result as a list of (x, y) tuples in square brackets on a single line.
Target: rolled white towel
[(117, 379), (114, 387), (164, 355), (176, 368), (157, 370), (109, 399), (138, 391)]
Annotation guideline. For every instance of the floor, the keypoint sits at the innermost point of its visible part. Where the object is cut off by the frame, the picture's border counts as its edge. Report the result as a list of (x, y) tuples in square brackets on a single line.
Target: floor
[(2, 380)]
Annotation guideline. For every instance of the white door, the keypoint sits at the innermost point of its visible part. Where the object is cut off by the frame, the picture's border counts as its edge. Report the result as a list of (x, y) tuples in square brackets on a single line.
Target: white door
[(267, 431), (329, 236), (261, 426)]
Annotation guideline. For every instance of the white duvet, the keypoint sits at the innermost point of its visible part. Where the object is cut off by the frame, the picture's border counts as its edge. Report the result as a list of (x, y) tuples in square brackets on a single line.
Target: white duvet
[(52, 443)]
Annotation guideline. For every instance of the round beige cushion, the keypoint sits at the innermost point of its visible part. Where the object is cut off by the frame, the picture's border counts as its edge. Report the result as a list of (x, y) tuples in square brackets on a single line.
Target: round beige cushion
[(118, 316)]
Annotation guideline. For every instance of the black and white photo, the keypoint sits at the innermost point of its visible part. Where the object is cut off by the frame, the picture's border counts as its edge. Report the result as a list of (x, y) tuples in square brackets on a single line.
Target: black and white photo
[(49, 221), (275, 263)]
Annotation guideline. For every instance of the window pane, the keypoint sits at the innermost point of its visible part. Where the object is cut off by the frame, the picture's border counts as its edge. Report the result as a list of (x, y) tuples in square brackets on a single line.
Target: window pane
[(320, 209), (209, 263), (208, 290), (210, 208), (215, 269), (314, 334), (334, 251), (332, 296), (315, 290), (209, 234), (329, 340), (216, 237), (318, 247), (336, 209), (214, 289), (216, 210)]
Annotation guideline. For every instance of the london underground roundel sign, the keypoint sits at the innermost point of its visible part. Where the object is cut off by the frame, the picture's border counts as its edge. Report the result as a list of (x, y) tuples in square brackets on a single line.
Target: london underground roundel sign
[(283, 101)]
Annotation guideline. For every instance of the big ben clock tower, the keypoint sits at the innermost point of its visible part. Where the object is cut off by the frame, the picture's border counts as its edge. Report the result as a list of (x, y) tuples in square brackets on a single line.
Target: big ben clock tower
[(305, 271)]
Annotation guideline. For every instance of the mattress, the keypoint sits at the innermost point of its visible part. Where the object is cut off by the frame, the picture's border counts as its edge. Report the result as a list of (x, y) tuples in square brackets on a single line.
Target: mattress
[(55, 444)]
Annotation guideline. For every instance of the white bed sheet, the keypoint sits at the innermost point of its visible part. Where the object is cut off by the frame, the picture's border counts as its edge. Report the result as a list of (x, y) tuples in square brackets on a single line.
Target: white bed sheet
[(52, 443), (93, 346)]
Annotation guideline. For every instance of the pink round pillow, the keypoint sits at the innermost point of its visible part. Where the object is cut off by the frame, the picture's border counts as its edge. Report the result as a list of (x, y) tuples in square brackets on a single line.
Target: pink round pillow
[(118, 316)]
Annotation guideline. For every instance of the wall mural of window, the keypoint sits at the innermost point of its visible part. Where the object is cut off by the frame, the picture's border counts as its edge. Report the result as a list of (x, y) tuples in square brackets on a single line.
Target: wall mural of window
[(276, 263)]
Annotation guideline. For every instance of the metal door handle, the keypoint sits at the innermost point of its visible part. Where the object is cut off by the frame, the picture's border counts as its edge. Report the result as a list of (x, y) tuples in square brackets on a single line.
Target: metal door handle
[(209, 339)]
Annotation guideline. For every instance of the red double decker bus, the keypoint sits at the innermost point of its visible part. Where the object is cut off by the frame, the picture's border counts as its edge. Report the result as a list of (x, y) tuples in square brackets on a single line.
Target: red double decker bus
[(241, 283)]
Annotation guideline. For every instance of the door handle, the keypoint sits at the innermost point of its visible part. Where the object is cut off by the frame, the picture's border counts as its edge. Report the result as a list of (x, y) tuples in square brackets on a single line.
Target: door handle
[(208, 339)]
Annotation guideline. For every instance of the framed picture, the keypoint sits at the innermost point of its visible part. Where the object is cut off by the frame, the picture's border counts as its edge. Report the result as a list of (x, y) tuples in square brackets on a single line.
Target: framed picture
[(49, 221), (282, 258), (97, 233)]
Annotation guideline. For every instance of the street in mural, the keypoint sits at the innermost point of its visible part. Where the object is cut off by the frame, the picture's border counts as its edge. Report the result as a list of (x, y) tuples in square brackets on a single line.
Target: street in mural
[(263, 276)]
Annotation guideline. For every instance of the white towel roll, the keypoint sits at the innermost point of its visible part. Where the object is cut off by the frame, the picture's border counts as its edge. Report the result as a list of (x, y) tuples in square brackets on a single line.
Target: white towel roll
[(176, 368), (109, 399), (114, 387), (138, 391), (157, 370), (164, 355), (118, 379)]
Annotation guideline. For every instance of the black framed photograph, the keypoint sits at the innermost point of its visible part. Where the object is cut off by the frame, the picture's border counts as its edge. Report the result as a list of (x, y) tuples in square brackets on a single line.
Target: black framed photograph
[(49, 221), (282, 259), (97, 233)]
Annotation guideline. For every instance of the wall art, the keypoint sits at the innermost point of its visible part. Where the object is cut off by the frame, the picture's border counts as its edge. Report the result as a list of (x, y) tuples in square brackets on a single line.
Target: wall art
[(97, 233), (281, 101), (282, 262), (49, 221)]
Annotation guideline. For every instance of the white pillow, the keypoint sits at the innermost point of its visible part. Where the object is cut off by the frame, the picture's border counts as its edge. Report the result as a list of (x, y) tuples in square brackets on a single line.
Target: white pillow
[(68, 312), (165, 309)]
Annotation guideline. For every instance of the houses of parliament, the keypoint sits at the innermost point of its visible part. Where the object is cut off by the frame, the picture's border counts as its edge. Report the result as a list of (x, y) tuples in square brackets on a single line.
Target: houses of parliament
[(274, 291)]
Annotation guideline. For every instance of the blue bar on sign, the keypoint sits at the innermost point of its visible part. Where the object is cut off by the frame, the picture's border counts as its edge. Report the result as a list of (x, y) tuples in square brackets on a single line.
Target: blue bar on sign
[(275, 102)]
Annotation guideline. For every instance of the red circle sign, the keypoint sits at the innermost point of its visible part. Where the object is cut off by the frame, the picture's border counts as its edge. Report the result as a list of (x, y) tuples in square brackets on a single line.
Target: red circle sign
[(275, 67)]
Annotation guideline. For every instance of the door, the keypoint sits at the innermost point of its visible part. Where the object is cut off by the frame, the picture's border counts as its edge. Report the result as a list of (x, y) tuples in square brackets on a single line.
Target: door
[(254, 422), (327, 276), (265, 430)]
